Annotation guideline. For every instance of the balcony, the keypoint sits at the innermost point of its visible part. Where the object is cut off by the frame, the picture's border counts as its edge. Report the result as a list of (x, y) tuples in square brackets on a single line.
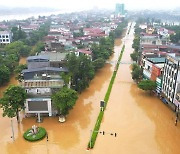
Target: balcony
[(42, 83)]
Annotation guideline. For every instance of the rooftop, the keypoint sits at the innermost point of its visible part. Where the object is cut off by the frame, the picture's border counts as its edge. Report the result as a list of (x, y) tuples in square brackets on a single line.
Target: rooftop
[(45, 69), (5, 32), (39, 57), (54, 56), (157, 60)]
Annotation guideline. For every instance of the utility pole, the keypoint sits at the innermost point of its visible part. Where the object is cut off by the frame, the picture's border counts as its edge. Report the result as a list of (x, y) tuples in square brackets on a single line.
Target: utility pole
[(12, 130)]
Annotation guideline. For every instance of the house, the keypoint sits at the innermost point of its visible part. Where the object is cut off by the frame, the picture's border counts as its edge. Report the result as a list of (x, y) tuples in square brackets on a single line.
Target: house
[(93, 31), (40, 81), (153, 39), (165, 32), (86, 52), (152, 67), (5, 37), (56, 59)]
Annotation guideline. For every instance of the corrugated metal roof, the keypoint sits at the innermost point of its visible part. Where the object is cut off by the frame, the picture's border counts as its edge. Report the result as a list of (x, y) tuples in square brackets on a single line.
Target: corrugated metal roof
[(45, 69), (157, 60), (38, 57)]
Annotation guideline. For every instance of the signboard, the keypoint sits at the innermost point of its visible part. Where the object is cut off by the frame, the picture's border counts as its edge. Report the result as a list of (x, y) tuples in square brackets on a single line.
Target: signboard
[(102, 103)]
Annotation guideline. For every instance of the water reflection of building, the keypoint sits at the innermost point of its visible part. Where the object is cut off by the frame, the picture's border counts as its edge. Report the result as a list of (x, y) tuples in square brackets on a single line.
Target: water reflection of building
[(171, 80), (40, 82)]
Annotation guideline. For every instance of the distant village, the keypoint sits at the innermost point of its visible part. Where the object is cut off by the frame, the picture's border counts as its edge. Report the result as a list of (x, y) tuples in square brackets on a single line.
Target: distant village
[(156, 54)]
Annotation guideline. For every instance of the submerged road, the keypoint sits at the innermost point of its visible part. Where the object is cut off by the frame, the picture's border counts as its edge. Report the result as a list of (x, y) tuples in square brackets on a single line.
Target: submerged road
[(144, 125)]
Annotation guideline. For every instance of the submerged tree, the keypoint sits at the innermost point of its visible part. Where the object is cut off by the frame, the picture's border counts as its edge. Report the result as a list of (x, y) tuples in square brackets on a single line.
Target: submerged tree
[(13, 101), (137, 72), (4, 74), (147, 85), (18, 71), (64, 100)]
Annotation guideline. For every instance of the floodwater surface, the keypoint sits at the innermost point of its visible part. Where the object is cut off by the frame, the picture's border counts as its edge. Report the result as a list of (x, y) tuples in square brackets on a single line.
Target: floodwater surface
[(144, 125)]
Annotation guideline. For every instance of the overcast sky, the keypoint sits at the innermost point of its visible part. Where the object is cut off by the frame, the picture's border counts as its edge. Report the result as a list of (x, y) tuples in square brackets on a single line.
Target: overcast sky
[(88, 4)]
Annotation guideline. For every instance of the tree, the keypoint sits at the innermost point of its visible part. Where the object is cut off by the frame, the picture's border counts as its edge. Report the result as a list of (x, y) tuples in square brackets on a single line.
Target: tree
[(66, 77), (4, 74), (18, 34), (18, 71), (18, 48), (134, 56), (175, 38), (40, 46), (98, 63), (13, 101), (137, 73), (147, 85), (11, 61), (136, 43), (82, 71), (64, 100)]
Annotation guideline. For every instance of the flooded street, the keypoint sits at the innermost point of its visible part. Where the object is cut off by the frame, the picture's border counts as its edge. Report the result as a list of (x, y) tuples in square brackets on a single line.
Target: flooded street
[(143, 123), (69, 137)]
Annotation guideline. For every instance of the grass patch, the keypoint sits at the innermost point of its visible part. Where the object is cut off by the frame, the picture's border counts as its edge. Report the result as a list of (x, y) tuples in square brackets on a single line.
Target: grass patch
[(39, 136), (106, 98)]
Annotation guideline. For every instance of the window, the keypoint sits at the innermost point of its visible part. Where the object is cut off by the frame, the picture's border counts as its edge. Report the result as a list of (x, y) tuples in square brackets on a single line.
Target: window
[(7, 40), (3, 40), (3, 36), (148, 67), (6, 36), (0, 36)]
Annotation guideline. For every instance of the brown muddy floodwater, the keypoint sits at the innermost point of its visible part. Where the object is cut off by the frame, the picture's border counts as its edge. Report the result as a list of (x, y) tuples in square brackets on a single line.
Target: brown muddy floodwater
[(143, 123)]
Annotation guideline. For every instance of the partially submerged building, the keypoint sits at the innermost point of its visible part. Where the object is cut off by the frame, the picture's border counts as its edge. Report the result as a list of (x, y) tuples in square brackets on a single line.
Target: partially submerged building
[(40, 81)]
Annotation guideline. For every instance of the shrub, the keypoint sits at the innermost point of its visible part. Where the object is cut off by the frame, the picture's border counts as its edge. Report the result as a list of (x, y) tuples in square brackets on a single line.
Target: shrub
[(39, 136)]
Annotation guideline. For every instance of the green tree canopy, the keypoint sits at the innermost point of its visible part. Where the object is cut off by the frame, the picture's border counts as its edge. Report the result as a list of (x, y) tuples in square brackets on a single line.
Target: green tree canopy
[(18, 34), (136, 73), (13, 101), (98, 63), (147, 85), (134, 56), (18, 71), (136, 43), (18, 47), (64, 100), (82, 71), (175, 38), (4, 74)]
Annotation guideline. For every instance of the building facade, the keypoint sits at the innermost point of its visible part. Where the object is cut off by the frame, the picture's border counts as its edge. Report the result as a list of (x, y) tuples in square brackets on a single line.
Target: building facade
[(40, 81), (5, 37), (171, 80)]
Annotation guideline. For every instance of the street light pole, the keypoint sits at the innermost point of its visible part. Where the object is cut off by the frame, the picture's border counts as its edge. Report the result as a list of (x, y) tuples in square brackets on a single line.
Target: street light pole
[(12, 130)]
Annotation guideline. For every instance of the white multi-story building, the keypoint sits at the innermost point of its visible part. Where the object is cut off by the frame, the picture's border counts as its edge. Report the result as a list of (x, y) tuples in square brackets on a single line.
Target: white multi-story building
[(5, 37), (171, 80)]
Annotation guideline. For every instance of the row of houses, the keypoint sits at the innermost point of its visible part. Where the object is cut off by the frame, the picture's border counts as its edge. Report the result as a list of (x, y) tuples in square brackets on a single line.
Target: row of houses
[(160, 62)]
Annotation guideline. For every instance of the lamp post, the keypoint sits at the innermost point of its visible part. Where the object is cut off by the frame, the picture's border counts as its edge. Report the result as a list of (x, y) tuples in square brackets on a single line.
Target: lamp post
[(12, 130)]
